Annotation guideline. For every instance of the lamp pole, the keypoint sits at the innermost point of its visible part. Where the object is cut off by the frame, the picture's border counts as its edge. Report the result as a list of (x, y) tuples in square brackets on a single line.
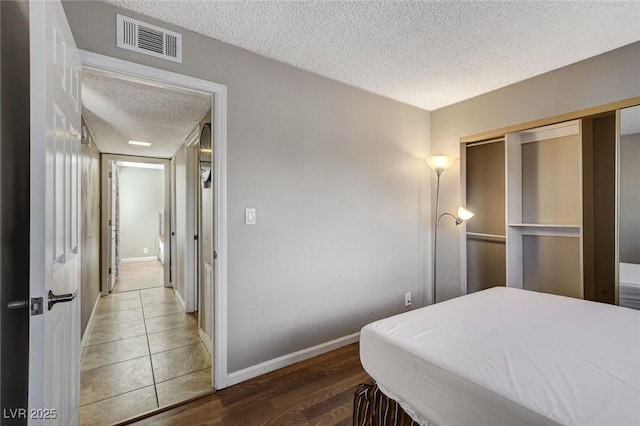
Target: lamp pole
[(435, 237), (438, 163)]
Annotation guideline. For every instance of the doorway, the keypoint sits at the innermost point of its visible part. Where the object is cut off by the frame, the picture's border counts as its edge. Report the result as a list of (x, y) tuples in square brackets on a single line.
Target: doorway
[(218, 94), (199, 208), (142, 347), (135, 225)]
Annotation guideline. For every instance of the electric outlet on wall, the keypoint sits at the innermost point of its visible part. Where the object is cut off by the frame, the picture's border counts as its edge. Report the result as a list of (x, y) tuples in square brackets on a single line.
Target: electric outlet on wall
[(407, 299), (145, 250)]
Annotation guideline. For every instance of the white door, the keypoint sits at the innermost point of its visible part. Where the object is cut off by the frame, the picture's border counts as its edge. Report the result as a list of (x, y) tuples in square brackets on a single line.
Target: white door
[(54, 334), (113, 224), (174, 247)]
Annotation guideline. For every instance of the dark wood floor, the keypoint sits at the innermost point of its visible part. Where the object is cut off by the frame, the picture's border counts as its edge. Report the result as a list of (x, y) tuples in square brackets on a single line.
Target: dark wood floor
[(318, 391)]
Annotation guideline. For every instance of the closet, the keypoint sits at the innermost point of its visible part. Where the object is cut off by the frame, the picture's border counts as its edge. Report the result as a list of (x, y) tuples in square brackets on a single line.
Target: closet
[(545, 208), (485, 234)]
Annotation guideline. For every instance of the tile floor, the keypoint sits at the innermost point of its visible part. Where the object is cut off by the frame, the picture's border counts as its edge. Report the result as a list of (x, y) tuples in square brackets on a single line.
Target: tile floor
[(142, 352), (139, 275)]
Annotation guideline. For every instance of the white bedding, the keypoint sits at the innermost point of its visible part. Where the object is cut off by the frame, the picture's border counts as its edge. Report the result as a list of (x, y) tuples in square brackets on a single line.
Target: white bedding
[(505, 356)]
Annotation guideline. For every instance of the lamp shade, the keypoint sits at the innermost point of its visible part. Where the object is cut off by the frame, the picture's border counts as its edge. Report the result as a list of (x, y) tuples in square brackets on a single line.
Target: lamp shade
[(464, 214), (439, 162)]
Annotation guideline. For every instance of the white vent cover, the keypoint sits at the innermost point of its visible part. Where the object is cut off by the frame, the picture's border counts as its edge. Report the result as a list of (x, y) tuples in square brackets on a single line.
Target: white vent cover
[(148, 39)]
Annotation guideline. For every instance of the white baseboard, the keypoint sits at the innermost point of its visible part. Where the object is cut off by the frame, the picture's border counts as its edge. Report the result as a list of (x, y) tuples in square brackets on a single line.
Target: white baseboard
[(138, 259), (179, 298), (289, 359), (85, 335)]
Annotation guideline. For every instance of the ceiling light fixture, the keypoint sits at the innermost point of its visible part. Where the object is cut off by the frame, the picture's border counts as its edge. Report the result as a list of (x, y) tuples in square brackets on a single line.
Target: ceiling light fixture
[(139, 143)]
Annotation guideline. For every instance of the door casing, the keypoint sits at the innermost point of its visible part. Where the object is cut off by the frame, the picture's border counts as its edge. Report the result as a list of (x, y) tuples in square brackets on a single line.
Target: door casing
[(218, 94), (106, 249)]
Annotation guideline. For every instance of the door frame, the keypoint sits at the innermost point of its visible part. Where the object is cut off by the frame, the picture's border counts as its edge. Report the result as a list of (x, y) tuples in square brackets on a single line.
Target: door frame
[(218, 94), (173, 262), (106, 160), (110, 209)]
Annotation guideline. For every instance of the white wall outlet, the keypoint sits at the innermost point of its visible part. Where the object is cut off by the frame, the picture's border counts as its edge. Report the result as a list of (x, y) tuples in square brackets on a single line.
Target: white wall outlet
[(145, 250), (407, 299), (250, 216)]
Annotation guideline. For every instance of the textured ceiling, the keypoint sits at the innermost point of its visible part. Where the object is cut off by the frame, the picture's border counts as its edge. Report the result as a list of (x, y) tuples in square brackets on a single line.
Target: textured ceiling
[(427, 54), (117, 111)]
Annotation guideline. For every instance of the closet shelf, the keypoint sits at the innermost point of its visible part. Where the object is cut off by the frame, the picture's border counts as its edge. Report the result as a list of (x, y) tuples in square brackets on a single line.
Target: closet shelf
[(545, 225)]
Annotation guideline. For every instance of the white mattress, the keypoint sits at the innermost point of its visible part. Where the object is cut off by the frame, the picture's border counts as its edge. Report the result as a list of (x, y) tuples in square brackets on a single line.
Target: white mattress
[(505, 356)]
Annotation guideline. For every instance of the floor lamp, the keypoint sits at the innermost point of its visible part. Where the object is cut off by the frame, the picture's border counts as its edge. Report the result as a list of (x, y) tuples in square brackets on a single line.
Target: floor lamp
[(439, 164)]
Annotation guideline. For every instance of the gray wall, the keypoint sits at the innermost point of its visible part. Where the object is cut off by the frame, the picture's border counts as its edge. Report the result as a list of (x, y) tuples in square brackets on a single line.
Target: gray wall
[(605, 78), (630, 198), (141, 198), (339, 182), (90, 230)]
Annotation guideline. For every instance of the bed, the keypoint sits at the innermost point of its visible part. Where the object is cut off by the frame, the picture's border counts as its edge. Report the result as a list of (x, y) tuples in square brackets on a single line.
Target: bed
[(506, 356)]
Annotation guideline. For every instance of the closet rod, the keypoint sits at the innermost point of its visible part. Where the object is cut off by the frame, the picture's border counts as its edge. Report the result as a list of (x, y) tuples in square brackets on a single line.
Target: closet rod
[(479, 234)]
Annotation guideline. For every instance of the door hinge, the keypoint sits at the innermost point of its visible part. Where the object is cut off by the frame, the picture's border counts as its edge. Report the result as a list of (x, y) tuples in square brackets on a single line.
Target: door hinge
[(195, 237), (36, 306), (109, 271), (109, 222), (215, 255), (110, 175)]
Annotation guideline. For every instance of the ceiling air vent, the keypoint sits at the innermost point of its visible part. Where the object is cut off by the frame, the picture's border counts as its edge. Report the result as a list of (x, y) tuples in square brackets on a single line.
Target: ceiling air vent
[(148, 39)]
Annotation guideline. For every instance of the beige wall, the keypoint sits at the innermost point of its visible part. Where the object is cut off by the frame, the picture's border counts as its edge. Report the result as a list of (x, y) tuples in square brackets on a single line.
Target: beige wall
[(339, 182), (606, 78), (141, 198), (90, 230)]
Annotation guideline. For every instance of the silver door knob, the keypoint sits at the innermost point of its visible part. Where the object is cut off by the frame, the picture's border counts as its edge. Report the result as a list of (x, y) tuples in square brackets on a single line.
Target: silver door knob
[(54, 298)]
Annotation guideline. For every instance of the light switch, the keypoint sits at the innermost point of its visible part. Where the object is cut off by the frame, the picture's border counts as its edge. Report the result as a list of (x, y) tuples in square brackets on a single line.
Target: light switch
[(250, 216)]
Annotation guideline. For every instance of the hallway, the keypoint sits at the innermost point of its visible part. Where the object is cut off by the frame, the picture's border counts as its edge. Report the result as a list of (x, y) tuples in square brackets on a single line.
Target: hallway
[(139, 275), (142, 352)]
